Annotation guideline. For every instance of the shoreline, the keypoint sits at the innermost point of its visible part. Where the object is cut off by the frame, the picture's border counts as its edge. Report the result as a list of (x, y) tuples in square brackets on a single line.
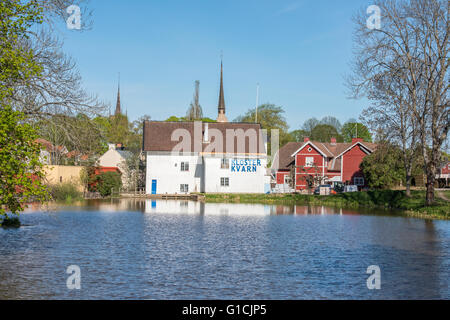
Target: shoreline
[(381, 200)]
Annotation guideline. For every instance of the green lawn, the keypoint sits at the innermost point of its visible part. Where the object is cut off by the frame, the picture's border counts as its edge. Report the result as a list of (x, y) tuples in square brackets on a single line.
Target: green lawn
[(387, 199)]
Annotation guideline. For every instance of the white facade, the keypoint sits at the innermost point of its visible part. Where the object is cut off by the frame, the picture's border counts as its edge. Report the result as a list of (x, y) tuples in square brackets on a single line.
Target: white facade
[(115, 159), (167, 174)]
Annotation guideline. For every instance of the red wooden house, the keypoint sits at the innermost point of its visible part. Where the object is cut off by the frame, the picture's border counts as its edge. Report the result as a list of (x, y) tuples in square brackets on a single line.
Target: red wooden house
[(443, 177), (326, 162)]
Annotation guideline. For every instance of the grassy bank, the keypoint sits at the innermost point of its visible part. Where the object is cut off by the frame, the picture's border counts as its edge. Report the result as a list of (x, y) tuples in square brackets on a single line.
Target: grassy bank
[(385, 199), (65, 192)]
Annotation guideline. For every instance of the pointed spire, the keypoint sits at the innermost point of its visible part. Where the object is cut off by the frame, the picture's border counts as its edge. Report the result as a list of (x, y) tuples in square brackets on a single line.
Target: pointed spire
[(118, 106), (221, 108)]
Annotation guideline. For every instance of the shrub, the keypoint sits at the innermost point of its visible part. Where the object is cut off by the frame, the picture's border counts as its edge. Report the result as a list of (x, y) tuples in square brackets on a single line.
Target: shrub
[(10, 222), (65, 192), (107, 181)]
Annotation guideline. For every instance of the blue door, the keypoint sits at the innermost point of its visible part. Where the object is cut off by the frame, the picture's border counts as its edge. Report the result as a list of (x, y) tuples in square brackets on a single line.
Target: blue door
[(154, 183)]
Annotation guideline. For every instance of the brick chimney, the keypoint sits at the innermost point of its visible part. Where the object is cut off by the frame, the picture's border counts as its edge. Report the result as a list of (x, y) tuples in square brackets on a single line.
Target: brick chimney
[(333, 141), (306, 139), (355, 140)]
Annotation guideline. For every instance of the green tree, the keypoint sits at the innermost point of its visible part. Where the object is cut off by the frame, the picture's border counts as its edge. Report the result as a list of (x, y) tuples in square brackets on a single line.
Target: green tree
[(120, 129), (107, 182), (352, 130), (324, 133), (384, 169), (299, 135), (21, 171), (17, 62), (270, 117), (20, 165)]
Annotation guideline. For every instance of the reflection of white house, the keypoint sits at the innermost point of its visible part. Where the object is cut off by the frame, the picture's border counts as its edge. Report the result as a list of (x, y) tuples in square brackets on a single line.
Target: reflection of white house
[(116, 158)]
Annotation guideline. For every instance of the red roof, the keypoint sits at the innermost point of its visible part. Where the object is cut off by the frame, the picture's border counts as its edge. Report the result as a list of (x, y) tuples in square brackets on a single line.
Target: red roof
[(333, 151)]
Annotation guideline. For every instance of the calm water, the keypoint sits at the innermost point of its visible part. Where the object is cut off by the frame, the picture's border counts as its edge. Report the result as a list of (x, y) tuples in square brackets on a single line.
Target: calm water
[(186, 250)]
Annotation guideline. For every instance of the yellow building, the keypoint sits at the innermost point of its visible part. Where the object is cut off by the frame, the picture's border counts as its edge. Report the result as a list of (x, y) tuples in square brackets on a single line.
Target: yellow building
[(63, 174)]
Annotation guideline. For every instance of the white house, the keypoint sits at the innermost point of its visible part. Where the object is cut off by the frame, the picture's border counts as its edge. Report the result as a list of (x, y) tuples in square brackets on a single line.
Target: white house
[(116, 158), (221, 157)]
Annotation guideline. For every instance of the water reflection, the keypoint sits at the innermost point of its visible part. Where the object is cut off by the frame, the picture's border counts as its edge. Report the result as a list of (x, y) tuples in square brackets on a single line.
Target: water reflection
[(195, 208), (147, 249)]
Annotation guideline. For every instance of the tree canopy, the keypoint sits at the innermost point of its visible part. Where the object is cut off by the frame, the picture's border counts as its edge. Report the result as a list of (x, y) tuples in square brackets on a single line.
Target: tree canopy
[(352, 130)]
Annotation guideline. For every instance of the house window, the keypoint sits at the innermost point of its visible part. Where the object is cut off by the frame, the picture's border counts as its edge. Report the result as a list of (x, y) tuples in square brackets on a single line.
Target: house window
[(224, 182), (287, 179), (184, 188), (225, 164), (185, 166), (309, 162), (359, 181)]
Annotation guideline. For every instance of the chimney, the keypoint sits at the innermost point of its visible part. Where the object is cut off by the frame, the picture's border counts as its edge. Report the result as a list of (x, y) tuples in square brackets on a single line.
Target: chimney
[(306, 139), (355, 140), (333, 140)]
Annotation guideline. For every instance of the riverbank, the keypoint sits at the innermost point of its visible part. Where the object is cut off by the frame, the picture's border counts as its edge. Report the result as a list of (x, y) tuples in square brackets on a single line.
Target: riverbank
[(385, 199)]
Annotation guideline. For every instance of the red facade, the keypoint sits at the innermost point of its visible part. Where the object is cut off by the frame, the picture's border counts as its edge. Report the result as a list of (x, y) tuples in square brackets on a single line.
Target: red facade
[(327, 162), (446, 169)]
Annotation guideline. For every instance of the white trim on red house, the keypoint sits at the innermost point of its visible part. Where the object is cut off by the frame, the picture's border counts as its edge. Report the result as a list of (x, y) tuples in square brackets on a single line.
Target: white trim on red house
[(304, 145), (367, 150)]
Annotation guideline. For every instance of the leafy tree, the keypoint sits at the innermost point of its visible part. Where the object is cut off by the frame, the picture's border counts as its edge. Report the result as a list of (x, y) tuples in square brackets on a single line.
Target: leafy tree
[(383, 169), (21, 173), (270, 117), (324, 133), (352, 130), (299, 135), (175, 119), (20, 167), (108, 181)]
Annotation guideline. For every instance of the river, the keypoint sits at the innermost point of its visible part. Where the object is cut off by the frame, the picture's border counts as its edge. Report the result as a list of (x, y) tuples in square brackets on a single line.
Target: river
[(144, 249)]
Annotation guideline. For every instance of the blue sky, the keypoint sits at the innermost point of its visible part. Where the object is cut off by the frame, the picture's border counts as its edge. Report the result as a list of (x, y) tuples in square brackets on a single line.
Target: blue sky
[(299, 52)]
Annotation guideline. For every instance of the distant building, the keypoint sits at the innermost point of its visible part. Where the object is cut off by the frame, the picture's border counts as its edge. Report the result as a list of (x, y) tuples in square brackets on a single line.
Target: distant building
[(51, 154), (115, 158), (327, 162), (220, 157), (443, 177)]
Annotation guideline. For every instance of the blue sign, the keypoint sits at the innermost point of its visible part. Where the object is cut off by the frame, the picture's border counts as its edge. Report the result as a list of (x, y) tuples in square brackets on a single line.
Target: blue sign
[(245, 165)]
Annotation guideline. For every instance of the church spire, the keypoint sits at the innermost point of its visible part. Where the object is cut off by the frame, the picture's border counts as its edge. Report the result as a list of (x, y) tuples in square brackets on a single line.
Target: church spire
[(221, 108), (118, 106)]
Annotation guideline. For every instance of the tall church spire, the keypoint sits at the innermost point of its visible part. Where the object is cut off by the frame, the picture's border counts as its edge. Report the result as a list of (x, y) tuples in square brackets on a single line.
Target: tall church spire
[(221, 108), (118, 106)]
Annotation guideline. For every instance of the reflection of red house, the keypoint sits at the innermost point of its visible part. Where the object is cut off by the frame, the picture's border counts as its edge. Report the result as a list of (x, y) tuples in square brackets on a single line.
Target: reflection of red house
[(331, 162)]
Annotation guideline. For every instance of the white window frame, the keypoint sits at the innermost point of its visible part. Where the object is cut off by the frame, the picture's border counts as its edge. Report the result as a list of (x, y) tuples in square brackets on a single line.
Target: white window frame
[(359, 181), (309, 162), (287, 179), (225, 182), (184, 167), (184, 188)]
